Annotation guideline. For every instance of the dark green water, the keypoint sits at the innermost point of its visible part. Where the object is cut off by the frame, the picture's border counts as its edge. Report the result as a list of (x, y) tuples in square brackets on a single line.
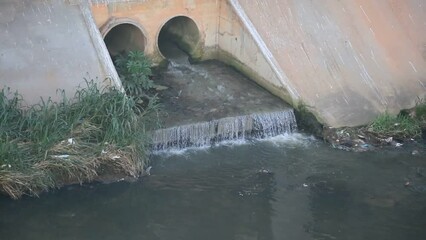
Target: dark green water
[(292, 187)]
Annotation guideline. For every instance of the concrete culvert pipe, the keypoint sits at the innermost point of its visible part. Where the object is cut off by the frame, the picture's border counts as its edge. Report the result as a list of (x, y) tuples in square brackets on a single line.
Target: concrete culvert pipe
[(182, 32), (124, 38)]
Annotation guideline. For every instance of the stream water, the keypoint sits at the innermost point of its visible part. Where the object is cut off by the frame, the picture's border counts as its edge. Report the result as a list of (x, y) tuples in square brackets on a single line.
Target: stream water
[(289, 186)]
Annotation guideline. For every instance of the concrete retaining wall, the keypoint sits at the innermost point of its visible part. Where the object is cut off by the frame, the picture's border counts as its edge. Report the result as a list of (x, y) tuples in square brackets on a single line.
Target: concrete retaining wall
[(241, 46), (347, 60), (47, 45)]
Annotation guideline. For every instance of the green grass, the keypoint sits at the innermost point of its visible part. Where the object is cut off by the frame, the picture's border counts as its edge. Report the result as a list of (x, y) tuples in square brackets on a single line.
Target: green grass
[(420, 111), (400, 126), (134, 69), (73, 140)]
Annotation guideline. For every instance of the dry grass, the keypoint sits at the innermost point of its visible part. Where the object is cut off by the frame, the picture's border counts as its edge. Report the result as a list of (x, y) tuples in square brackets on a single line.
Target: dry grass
[(78, 165), (73, 141), (15, 183)]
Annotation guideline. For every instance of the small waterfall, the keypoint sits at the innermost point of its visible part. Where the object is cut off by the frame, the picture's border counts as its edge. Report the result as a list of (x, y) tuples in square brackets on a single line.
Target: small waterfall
[(260, 125)]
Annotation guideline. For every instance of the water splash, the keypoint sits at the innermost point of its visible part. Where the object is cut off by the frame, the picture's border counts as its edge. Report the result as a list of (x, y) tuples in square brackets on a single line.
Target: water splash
[(291, 140), (205, 134)]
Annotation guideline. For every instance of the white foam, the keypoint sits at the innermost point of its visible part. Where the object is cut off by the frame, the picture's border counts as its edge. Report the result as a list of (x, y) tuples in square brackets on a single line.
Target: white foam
[(290, 140), (232, 143), (229, 129), (176, 151)]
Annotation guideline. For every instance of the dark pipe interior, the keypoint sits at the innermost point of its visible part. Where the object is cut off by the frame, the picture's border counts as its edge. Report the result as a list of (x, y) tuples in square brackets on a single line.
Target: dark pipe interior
[(180, 32), (124, 38)]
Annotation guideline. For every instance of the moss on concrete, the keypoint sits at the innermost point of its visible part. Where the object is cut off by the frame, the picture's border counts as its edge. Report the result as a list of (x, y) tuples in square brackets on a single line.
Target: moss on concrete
[(307, 121)]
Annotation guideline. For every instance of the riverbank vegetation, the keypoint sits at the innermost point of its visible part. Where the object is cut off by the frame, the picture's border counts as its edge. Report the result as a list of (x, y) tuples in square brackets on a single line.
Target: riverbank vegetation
[(135, 72), (408, 124), (100, 131), (400, 126), (386, 129)]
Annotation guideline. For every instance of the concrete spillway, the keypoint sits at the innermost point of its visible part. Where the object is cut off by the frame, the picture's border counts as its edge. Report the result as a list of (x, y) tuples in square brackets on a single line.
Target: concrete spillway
[(210, 102), (205, 134)]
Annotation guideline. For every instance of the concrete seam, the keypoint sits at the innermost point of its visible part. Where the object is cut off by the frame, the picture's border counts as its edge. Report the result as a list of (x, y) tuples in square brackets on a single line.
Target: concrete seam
[(99, 45), (218, 23), (264, 49)]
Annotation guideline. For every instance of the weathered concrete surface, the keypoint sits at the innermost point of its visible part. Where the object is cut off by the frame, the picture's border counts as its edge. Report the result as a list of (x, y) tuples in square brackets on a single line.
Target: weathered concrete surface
[(242, 48), (151, 15), (222, 34), (349, 60), (207, 91), (45, 46)]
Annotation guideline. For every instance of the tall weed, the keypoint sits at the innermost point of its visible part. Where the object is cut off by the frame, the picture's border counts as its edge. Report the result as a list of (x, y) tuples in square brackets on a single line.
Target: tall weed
[(134, 70)]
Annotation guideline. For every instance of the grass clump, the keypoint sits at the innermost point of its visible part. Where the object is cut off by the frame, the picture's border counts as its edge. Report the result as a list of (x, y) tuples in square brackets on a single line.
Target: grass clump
[(98, 131), (420, 112), (407, 124), (399, 126)]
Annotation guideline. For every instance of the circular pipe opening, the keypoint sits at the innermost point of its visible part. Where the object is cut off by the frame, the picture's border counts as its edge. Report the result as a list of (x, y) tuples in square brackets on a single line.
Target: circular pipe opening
[(179, 34), (123, 38)]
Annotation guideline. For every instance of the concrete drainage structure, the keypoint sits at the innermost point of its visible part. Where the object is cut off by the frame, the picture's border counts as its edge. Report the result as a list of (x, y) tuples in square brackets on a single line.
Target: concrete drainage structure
[(184, 32), (347, 61), (123, 37)]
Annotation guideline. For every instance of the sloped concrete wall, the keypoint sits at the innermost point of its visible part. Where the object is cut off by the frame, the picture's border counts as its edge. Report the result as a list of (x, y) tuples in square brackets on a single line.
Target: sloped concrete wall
[(347, 60), (241, 46), (47, 45)]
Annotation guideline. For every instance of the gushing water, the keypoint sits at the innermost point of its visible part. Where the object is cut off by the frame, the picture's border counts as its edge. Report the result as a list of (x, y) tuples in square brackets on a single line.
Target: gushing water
[(204, 134), (208, 103)]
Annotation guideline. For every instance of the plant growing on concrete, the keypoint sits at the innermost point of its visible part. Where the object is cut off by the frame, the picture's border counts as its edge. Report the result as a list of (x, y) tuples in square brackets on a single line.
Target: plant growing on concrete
[(98, 131), (307, 121), (399, 126), (134, 70), (420, 111)]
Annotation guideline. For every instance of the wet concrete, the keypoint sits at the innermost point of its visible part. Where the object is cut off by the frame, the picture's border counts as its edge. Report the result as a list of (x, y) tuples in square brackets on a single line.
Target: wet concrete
[(208, 90)]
